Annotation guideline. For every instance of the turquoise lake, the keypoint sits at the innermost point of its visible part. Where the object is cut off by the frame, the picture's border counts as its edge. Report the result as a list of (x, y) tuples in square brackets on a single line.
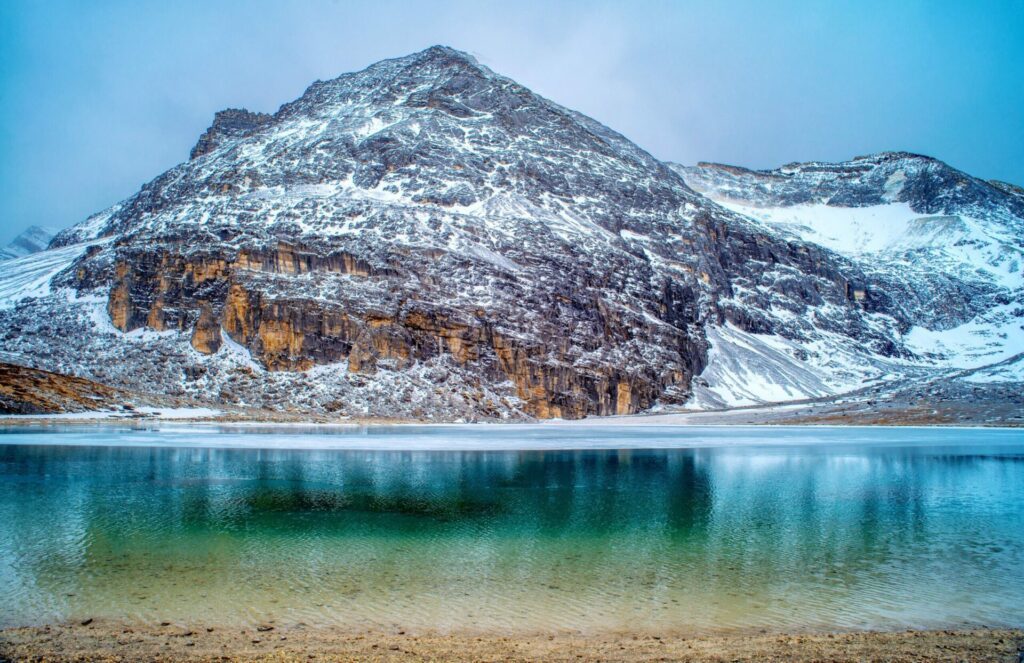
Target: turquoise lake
[(519, 529)]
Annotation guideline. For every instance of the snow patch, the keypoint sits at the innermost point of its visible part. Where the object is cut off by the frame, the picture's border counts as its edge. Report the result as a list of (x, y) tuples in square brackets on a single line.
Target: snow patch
[(848, 230), (991, 337), (957, 244), (155, 412), (753, 369)]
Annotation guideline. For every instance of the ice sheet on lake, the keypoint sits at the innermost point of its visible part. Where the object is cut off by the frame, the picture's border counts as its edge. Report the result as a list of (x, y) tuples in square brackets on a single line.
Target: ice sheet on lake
[(495, 437)]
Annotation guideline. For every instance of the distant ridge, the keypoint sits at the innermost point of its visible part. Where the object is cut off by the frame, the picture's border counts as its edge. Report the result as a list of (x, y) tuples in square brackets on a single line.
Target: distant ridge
[(33, 239)]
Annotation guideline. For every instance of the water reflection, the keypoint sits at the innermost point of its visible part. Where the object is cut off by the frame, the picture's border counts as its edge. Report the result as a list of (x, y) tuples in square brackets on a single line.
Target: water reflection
[(687, 538)]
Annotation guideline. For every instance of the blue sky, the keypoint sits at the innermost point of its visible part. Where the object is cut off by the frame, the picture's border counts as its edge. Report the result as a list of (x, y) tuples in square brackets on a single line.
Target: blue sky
[(98, 97)]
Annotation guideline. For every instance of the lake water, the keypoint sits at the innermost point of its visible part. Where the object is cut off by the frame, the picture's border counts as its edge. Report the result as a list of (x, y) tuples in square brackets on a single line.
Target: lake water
[(545, 528)]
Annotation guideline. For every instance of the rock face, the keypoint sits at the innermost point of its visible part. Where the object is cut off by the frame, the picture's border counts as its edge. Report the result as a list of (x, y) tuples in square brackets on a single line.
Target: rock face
[(227, 125), (33, 240), (428, 238)]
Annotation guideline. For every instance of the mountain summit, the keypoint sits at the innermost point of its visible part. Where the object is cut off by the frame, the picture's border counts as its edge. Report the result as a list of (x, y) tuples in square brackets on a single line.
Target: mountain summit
[(427, 238)]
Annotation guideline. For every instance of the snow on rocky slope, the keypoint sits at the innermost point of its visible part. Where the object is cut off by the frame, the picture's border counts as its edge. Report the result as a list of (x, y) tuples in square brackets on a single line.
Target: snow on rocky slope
[(29, 277), (906, 220), (427, 238), (35, 238)]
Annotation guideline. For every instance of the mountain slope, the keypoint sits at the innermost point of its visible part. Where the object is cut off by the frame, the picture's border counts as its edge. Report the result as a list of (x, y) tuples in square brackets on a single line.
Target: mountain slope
[(30, 391), (33, 240), (904, 219), (427, 238), (428, 207)]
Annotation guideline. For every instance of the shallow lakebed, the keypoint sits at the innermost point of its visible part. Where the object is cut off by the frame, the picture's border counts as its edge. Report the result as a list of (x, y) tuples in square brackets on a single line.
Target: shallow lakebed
[(514, 528)]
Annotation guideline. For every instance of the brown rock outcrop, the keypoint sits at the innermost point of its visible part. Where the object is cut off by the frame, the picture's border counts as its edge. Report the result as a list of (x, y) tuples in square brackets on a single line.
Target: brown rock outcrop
[(206, 334), (205, 293), (26, 390)]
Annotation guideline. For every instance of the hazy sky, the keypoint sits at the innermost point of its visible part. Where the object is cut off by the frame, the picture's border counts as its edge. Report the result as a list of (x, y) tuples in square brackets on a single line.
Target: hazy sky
[(97, 97)]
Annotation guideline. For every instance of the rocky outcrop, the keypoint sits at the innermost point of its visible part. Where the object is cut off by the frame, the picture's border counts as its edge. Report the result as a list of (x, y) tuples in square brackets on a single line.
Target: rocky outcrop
[(227, 125), (26, 390), (206, 335), (208, 295)]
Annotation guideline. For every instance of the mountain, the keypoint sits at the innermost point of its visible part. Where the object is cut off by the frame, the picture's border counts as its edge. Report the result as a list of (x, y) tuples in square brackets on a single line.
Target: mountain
[(33, 240), (904, 219), (426, 238)]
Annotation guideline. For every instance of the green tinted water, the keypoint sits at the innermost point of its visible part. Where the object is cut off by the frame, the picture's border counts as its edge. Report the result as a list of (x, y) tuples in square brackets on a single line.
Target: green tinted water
[(877, 535)]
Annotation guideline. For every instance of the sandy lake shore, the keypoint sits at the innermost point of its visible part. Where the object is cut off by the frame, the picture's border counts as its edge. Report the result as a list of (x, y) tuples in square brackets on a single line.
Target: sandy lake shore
[(115, 641)]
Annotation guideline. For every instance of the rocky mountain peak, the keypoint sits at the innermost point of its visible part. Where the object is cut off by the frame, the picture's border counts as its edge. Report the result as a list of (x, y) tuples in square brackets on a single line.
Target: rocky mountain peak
[(428, 236), (435, 67), (440, 56), (396, 81), (433, 128)]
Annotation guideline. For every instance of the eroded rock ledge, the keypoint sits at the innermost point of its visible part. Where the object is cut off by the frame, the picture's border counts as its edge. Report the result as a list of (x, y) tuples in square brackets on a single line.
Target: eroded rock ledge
[(233, 295)]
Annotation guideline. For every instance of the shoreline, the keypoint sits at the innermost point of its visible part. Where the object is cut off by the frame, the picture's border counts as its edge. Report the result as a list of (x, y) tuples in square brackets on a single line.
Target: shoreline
[(444, 438), (678, 421), (124, 641), (38, 397)]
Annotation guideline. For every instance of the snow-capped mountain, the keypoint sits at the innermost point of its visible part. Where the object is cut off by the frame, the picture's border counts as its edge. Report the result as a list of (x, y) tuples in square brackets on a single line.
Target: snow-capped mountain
[(906, 220), (427, 238), (33, 240)]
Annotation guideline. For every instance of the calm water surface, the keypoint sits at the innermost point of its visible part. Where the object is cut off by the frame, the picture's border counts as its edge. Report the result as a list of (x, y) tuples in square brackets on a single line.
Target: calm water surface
[(733, 528)]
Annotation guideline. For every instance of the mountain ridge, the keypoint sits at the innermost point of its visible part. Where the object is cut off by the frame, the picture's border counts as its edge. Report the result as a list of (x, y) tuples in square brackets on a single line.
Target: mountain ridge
[(31, 240)]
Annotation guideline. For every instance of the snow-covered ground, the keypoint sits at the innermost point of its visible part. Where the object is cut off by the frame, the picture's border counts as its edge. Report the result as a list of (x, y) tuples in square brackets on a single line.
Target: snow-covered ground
[(30, 275), (748, 369), (1011, 370), (100, 415), (895, 229), (848, 230), (987, 339)]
